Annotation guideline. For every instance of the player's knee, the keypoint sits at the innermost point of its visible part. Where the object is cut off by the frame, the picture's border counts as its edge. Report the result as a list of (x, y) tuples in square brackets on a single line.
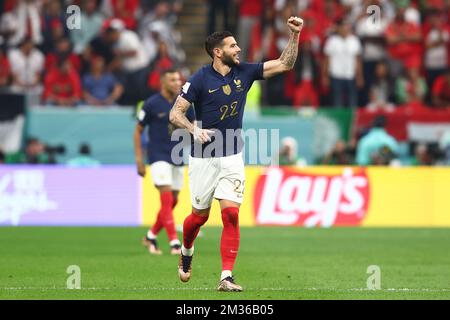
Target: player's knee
[(196, 219), (230, 216), (201, 212)]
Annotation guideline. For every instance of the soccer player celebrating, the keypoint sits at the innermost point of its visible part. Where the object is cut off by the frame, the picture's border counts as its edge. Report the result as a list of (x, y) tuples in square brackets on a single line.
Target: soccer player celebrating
[(167, 177), (216, 169)]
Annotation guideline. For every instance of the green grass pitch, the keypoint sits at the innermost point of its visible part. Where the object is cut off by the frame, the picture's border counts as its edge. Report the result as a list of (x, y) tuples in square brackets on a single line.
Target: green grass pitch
[(273, 263)]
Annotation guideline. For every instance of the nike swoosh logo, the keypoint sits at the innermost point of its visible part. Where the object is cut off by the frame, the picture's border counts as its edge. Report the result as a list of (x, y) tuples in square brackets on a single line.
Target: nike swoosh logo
[(211, 91)]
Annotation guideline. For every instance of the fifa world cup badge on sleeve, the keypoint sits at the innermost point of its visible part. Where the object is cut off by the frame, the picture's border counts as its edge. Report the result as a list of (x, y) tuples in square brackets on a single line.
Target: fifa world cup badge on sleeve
[(186, 87)]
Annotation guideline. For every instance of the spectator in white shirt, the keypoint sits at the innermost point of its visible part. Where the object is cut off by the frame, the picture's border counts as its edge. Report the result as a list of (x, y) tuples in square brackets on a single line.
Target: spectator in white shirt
[(342, 69), (129, 49), (24, 22), (436, 43), (371, 34), (27, 64)]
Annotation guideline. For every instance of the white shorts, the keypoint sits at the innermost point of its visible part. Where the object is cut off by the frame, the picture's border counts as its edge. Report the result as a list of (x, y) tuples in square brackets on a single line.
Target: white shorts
[(166, 174), (220, 178)]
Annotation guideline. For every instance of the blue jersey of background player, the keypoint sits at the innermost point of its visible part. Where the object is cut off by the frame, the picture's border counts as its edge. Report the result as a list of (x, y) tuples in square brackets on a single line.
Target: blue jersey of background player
[(155, 115), (167, 175), (219, 104)]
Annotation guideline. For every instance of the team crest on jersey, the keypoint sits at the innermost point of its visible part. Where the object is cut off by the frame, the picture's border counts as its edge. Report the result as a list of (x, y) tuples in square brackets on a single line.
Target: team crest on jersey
[(238, 84), (226, 89)]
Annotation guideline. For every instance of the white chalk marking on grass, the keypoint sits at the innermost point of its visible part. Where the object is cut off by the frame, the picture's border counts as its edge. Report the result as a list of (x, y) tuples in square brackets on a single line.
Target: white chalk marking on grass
[(246, 289)]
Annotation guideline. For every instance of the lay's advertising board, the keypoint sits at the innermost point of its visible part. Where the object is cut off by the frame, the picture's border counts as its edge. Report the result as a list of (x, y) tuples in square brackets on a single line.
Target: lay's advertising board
[(288, 196), (330, 196)]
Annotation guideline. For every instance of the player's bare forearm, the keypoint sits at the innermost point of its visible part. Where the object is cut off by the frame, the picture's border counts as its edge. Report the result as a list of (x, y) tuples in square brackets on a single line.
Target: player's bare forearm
[(137, 144), (290, 53), (178, 115), (140, 165)]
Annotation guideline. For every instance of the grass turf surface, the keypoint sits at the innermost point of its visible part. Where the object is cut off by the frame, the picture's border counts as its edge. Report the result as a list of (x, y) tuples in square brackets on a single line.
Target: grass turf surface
[(273, 263)]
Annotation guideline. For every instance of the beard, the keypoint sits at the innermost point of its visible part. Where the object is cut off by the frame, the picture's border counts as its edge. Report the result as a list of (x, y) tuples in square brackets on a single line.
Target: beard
[(228, 60)]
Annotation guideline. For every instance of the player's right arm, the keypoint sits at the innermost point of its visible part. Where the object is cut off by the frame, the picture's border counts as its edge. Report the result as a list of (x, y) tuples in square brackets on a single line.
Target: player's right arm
[(178, 118), (140, 165)]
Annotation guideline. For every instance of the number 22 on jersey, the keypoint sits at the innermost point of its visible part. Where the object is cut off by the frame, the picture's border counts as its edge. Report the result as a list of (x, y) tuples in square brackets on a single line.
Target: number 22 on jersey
[(228, 111)]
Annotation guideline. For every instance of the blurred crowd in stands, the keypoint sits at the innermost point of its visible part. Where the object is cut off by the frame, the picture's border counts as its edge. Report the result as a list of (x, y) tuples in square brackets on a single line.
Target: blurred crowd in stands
[(108, 56), (378, 54), (374, 53)]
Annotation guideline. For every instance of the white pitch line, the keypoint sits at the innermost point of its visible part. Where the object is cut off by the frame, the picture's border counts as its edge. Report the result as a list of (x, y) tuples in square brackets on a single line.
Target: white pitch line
[(213, 289)]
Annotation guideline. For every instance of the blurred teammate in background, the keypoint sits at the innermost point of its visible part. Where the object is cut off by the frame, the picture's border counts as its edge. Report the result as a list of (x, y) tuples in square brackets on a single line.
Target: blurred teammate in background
[(167, 177), (216, 168)]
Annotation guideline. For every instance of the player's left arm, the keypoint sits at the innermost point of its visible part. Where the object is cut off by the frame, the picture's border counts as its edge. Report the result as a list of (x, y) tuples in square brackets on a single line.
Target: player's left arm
[(289, 55), (140, 165)]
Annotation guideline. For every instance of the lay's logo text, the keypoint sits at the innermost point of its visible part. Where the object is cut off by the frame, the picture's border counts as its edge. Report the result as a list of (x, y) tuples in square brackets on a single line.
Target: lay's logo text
[(284, 197)]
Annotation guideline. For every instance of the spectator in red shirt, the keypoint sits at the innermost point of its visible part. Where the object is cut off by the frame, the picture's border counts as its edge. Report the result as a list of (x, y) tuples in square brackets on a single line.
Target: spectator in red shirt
[(63, 50), (5, 70), (161, 63), (124, 10), (404, 43), (328, 18), (433, 4), (307, 74), (441, 91), (62, 85)]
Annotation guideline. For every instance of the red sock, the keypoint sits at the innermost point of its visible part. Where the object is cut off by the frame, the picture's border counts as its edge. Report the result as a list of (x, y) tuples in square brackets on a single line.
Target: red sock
[(229, 244), (156, 228), (167, 215), (191, 227)]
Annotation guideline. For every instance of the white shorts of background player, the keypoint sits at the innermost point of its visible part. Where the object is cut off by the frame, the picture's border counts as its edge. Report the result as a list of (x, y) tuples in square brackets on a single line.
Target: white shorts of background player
[(166, 174)]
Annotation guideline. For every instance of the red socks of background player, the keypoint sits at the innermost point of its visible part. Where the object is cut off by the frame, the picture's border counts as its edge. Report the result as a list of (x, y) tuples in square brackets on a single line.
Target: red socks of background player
[(229, 244), (165, 216)]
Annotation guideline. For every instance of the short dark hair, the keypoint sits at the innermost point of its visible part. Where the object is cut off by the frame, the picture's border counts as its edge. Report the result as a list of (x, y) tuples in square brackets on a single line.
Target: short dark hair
[(215, 40), (167, 70)]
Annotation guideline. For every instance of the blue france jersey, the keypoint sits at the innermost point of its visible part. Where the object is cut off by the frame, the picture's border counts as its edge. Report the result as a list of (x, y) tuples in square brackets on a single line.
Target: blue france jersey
[(155, 114), (219, 105)]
